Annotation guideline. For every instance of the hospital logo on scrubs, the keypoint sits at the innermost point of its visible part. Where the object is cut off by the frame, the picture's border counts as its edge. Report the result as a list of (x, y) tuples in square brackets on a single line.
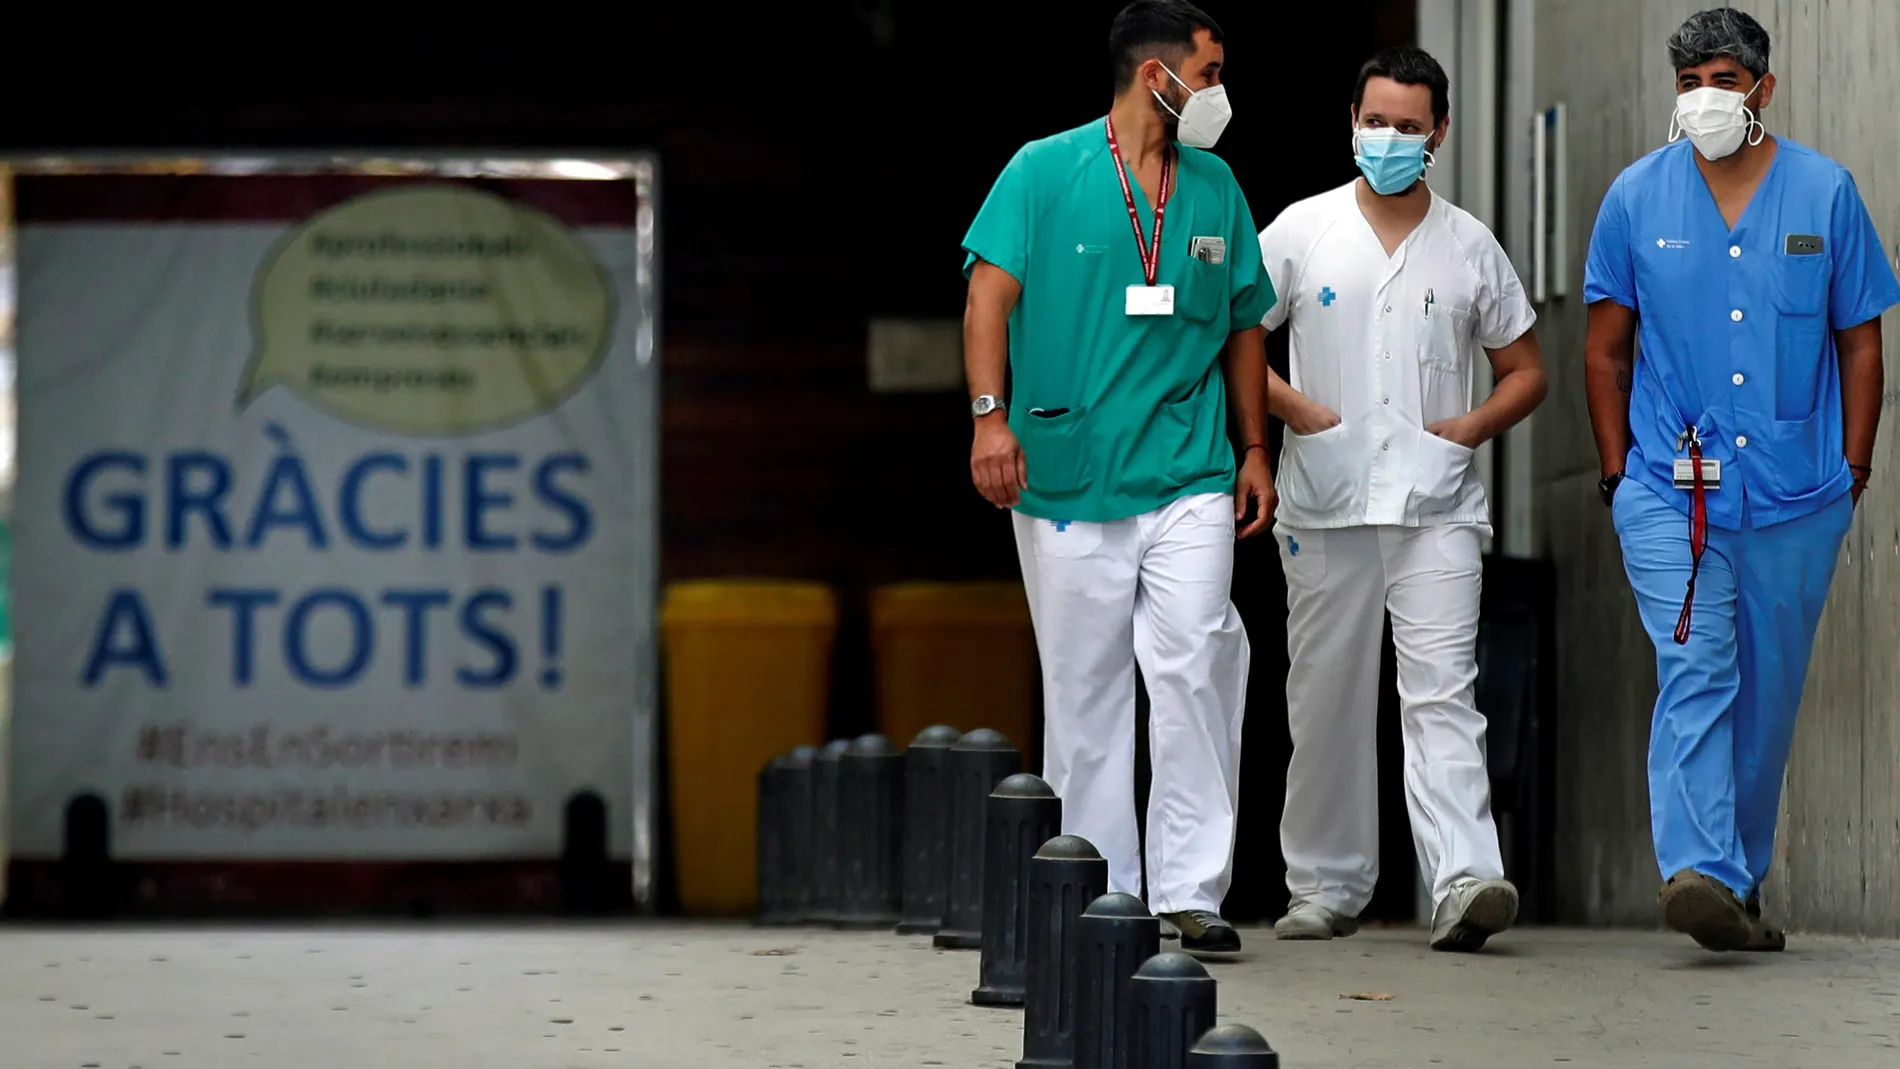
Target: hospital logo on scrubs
[(1672, 243), (1327, 296), (1292, 547), (1059, 525)]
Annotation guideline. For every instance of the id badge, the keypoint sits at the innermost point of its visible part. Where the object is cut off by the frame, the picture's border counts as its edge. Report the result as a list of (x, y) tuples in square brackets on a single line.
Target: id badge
[(1151, 300), (1711, 474)]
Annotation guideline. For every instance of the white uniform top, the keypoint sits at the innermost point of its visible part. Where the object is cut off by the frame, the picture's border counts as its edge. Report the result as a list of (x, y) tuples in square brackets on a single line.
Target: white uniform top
[(1389, 343)]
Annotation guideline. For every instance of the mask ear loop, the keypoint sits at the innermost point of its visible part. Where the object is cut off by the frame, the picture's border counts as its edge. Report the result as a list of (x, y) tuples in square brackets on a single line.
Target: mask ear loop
[(1756, 131), (1164, 101), (1675, 127)]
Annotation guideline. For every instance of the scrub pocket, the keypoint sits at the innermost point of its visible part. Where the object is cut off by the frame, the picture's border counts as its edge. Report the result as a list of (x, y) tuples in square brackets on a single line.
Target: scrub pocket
[(1316, 472), (1807, 456), (1197, 447), (1444, 340), (1056, 452), (1201, 292), (1800, 334), (1442, 467)]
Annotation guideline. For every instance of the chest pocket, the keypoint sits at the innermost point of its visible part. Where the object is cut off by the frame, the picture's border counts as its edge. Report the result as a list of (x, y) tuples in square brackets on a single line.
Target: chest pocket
[(1800, 293), (1200, 290), (1444, 339)]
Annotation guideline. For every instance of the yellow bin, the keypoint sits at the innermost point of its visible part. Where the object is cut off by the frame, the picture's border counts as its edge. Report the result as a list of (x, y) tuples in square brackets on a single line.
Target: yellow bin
[(748, 676), (962, 654)]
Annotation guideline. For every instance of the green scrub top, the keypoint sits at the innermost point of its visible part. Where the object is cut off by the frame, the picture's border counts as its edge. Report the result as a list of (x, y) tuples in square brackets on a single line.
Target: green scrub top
[(1146, 405)]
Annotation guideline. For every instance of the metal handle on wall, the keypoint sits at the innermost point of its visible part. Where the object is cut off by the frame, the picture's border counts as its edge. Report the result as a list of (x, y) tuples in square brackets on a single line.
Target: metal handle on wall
[(1540, 208), (1559, 200)]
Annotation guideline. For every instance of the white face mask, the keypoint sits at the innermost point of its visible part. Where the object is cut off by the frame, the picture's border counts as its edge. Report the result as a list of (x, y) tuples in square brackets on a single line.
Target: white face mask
[(1716, 121), (1205, 114)]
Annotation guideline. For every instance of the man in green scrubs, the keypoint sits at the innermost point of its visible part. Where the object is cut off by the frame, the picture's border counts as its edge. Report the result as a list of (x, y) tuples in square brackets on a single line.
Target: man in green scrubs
[(1115, 274)]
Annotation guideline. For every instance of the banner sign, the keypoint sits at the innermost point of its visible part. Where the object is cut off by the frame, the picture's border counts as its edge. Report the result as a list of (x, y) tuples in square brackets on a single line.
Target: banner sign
[(335, 532)]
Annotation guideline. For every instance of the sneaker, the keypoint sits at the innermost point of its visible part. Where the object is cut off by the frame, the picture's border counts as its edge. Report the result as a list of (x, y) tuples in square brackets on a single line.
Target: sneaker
[(1763, 938), (1313, 922), (1476, 911), (1203, 932), (1706, 911)]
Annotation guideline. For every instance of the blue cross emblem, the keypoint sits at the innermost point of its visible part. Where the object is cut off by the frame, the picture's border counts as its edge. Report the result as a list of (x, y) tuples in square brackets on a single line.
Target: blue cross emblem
[(1061, 525), (1327, 296), (1292, 547)]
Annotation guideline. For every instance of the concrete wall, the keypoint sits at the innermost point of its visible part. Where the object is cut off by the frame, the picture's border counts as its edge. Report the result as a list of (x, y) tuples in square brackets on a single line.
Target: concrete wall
[(1838, 855)]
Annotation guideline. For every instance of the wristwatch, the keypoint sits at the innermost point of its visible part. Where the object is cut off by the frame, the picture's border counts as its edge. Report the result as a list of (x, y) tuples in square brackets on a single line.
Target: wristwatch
[(985, 405), (1606, 488)]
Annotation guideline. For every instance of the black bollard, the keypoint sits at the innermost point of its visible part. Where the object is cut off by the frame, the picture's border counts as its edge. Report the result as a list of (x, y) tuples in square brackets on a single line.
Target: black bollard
[(1232, 1046), (585, 872), (1064, 877), (799, 862), (776, 872), (978, 762), (926, 829), (87, 886), (1023, 814), (1170, 1005), (826, 842), (1116, 934), (872, 821)]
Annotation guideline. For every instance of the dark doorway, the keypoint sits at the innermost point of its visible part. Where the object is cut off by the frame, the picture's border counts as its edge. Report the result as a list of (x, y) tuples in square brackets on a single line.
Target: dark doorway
[(819, 163)]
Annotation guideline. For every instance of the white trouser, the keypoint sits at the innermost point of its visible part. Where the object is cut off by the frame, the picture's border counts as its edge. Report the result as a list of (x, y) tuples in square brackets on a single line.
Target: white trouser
[(1337, 581), (1154, 589)]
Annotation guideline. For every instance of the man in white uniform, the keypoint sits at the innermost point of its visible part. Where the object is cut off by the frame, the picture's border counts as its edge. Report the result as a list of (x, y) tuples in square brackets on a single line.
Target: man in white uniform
[(1390, 291)]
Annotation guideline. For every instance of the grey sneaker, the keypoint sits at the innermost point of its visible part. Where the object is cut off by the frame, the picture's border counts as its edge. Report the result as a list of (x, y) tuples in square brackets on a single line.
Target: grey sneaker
[(1307, 921), (1203, 932), (1476, 911)]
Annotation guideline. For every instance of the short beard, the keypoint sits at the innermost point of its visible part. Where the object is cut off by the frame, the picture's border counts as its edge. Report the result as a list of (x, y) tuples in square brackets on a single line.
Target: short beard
[(1168, 119)]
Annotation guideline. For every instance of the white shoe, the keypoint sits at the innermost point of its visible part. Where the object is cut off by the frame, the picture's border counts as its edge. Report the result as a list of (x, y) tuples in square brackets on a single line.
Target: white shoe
[(1476, 911), (1306, 920)]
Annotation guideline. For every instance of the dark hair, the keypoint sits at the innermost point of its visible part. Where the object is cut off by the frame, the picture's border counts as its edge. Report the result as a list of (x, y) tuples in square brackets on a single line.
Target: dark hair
[(1723, 31), (1407, 65), (1147, 27)]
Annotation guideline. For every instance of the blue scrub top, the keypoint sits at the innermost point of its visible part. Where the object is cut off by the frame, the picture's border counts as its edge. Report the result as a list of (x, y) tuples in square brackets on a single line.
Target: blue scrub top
[(1736, 327)]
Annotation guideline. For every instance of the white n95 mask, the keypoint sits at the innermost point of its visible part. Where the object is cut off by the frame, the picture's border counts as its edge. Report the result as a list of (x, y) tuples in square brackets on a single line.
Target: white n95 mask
[(1716, 121), (1205, 114)]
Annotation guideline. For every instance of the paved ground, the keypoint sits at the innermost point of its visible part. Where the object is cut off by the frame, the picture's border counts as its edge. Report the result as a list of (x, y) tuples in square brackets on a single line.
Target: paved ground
[(681, 997)]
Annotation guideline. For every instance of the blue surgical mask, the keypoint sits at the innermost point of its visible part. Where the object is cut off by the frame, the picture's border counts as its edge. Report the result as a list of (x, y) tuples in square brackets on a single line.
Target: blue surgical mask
[(1391, 161)]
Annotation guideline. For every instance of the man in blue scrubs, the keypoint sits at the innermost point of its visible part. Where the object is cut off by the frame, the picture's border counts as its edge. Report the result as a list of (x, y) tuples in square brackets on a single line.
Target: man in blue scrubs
[(1733, 450)]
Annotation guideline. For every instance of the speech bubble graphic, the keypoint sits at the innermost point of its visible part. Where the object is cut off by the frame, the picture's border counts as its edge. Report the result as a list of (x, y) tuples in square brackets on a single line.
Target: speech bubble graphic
[(433, 310)]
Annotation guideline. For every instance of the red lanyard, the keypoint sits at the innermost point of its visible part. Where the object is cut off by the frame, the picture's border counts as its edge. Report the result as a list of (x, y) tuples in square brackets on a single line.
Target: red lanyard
[(1698, 539), (1150, 253)]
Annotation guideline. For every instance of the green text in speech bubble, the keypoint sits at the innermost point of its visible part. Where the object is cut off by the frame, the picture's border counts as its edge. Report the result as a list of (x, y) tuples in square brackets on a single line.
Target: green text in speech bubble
[(436, 310)]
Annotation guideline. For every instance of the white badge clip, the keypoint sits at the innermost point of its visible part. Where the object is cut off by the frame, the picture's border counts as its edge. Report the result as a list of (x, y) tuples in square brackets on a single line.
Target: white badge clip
[(1151, 300), (1685, 466)]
